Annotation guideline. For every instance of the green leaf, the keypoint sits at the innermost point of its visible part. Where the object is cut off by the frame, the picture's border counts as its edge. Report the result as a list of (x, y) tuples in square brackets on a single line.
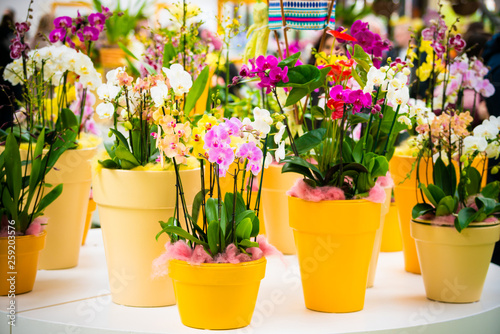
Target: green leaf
[(301, 76), (475, 181), (487, 205), (295, 95), (362, 58), (49, 198), (110, 149), (247, 243), (109, 163), (436, 192), (301, 162), (289, 61), (169, 53), (172, 221), (183, 234), (244, 229), (126, 50), (211, 209), (196, 90), (309, 140), (197, 201), (245, 214), (213, 234), (442, 177), (446, 206), (421, 209), (491, 190), (121, 138), (149, 68), (255, 227), (126, 158), (68, 119), (13, 169), (464, 218)]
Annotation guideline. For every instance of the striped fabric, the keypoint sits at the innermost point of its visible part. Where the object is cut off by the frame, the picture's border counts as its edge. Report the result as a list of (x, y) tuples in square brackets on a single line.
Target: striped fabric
[(301, 14)]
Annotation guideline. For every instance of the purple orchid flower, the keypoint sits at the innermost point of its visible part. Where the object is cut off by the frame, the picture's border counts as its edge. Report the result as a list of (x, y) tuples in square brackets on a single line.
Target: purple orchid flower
[(22, 27), (88, 34), (57, 35), (97, 20), (63, 22)]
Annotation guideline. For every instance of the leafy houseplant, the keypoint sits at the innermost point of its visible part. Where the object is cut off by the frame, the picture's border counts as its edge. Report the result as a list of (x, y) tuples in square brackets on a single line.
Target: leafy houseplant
[(456, 230), (337, 169), (139, 166), (47, 102), (225, 241), (448, 81)]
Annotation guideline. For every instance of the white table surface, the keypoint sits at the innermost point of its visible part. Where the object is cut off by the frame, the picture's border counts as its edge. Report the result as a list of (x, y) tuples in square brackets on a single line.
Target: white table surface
[(78, 301)]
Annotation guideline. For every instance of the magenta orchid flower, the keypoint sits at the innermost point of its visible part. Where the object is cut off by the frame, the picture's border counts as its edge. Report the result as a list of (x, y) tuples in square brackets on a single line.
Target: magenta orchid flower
[(88, 34), (97, 20), (63, 22), (57, 35)]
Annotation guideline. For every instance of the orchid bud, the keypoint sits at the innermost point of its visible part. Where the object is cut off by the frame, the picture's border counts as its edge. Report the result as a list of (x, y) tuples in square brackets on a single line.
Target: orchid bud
[(127, 125), (494, 170), (110, 133)]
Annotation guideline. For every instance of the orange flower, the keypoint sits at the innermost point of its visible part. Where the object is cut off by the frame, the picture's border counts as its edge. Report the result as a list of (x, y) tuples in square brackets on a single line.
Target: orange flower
[(341, 35)]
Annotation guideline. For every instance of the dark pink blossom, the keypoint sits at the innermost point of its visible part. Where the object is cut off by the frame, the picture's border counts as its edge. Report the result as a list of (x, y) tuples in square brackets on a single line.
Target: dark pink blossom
[(63, 22), (22, 27), (57, 35), (97, 20), (88, 34)]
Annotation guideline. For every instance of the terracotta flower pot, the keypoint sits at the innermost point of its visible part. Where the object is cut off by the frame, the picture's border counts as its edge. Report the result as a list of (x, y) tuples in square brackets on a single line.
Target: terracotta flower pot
[(22, 260), (334, 242), (454, 265), (131, 204), (274, 188), (216, 295)]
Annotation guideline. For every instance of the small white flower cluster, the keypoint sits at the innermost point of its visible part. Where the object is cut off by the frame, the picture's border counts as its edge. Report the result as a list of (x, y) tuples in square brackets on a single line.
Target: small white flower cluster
[(394, 82), (55, 61), (119, 87), (486, 138), (262, 126)]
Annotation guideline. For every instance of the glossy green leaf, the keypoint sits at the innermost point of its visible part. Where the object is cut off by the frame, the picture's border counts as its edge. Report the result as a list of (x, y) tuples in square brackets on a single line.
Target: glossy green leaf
[(169, 53), (49, 198), (126, 157), (126, 50), (197, 90), (309, 140), (421, 209), (121, 138), (464, 218), (211, 209), (289, 61), (197, 203), (491, 190), (183, 234), (213, 235), (445, 206), (244, 229)]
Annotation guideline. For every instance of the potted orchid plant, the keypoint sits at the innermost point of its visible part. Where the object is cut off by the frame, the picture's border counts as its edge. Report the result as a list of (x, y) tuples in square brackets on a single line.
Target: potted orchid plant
[(339, 173), (218, 240), (451, 81), (456, 225), (134, 181), (57, 82)]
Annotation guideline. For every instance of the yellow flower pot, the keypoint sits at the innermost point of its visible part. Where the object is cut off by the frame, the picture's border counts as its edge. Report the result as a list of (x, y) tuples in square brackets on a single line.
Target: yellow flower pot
[(334, 242), (112, 57), (378, 238), (68, 212), (27, 249), (131, 204), (88, 219), (216, 296), (274, 188), (391, 236), (407, 195), (454, 265)]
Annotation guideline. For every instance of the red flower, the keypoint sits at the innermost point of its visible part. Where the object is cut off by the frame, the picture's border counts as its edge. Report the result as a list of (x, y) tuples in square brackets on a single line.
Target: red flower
[(337, 107), (347, 63), (341, 35), (340, 73)]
